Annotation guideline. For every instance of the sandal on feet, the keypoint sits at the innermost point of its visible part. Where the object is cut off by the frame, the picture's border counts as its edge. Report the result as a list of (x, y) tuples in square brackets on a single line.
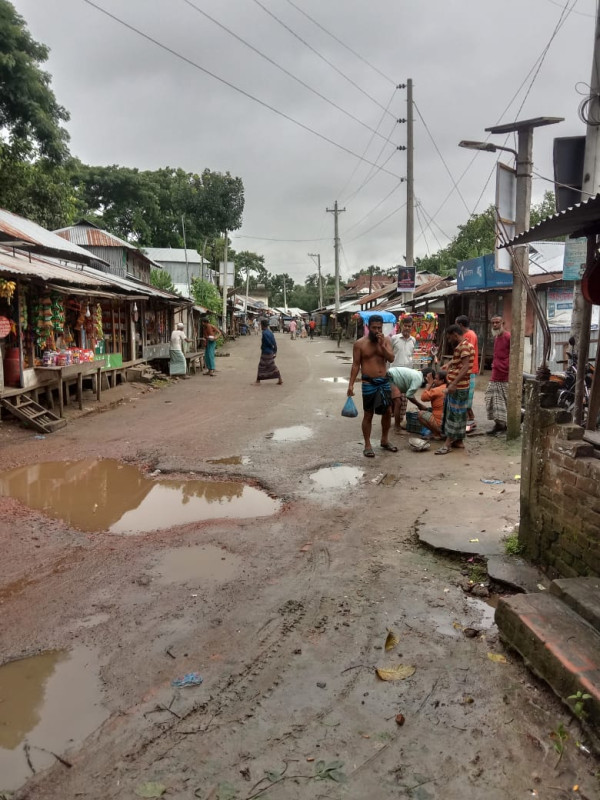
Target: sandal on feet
[(390, 447), (442, 451), (471, 426), (368, 452)]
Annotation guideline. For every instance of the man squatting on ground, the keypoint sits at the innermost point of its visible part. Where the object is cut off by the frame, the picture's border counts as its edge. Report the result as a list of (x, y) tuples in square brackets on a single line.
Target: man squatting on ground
[(496, 394), (470, 335), (371, 356), (403, 345), (457, 392)]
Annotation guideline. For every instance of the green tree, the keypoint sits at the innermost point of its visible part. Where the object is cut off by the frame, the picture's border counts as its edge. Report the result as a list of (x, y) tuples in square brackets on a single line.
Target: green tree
[(30, 116), (207, 295), (38, 190), (249, 264), (162, 280)]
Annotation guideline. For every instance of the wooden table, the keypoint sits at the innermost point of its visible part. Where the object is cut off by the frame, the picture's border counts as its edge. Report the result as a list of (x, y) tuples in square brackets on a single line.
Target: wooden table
[(74, 371)]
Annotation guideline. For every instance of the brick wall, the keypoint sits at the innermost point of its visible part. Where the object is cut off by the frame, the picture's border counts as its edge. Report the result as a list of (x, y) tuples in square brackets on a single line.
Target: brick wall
[(560, 489)]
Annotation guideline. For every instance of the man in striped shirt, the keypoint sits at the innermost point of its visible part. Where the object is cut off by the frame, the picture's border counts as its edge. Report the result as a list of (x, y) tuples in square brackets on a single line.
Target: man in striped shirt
[(458, 373)]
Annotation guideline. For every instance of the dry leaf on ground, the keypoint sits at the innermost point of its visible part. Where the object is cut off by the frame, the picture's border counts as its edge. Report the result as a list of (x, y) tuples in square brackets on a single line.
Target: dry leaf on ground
[(391, 640), (498, 658), (397, 673)]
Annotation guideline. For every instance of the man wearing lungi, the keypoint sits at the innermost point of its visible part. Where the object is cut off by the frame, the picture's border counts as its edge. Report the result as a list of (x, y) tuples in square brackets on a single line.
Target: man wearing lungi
[(403, 345), (496, 394), (267, 369), (470, 336), (177, 365), (210, 333), (458, 372), (372, 355)]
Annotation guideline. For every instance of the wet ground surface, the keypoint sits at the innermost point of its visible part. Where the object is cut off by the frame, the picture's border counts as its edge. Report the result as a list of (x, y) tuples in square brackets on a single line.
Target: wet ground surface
[(285, 616)]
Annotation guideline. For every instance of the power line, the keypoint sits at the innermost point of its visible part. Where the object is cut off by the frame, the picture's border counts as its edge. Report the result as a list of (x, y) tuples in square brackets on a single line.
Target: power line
[(422, 228), (429, 224), (279, 67), (339, 41), (229, 84), (268, 239), (372, 174), (377, 224), (368, 214), (321, 56)]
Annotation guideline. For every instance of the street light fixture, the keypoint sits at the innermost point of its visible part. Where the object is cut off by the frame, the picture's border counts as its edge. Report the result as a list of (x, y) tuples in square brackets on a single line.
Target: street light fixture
[(489, 147)]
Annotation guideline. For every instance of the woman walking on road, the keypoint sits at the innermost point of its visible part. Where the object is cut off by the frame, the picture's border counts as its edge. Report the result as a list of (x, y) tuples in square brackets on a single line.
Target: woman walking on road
[(267, 369)]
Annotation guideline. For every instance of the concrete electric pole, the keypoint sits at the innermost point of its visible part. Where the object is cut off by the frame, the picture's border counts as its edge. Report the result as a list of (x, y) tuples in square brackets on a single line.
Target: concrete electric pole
[(524, 130), (336, 246), (318, 257), (410, 178), (590, 186), (225, 286)]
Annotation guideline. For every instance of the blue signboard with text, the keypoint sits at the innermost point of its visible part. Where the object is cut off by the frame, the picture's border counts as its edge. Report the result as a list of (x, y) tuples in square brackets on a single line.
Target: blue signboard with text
[(479, 273)]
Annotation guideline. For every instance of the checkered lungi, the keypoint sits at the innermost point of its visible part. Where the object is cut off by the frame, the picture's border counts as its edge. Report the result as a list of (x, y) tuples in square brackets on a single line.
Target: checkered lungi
[(454, 424), (496, 401)]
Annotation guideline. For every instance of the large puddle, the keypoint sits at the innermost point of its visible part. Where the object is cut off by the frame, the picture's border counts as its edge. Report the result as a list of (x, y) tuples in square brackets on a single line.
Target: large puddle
[(206, 562), (48, 704), (295, 433), (105, 495), (336, 477)]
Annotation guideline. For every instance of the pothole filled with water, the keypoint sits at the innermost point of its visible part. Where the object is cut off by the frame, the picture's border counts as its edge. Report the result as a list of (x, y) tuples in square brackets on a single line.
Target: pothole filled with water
[(233, 461), (196, 563), (105, 495), (335, 380), (295, 433), (336, 477), (49, 703)]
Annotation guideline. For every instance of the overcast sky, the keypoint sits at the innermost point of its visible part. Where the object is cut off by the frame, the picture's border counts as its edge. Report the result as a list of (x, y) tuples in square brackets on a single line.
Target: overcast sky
[(133, 104)]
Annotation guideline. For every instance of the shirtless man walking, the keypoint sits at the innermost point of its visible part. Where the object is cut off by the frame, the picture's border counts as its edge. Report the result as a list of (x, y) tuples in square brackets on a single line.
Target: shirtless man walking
[(372, 355)]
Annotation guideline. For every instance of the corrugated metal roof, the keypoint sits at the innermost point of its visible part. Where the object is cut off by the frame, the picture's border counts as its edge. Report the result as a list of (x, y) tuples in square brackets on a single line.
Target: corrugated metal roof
[(88, 235), (580, 220), (47, 270), (14, 228), (173, 254)]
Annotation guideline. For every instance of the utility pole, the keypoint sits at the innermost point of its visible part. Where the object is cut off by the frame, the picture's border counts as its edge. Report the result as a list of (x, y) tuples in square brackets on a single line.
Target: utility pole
[(318, 257), (225, 286), (524, 130), (336, 247), (590, 186), (410, 178), (284, 296)]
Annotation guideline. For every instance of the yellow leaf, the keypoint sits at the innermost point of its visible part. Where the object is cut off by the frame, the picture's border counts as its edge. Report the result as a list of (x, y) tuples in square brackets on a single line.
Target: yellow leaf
[(473, 540), (391, 640), (457, 626), (398, 673), (497, 657)]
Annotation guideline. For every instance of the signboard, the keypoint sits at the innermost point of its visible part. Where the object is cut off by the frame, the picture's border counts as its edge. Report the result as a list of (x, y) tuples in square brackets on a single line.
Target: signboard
[(559, 308), (230, 273), (480, 273), (506, 210), (4, 327), (406, 279), (574, 259)]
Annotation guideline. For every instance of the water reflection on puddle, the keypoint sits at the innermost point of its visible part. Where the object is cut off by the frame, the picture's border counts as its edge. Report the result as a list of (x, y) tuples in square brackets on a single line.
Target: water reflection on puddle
[(295, 433), (337, 477), (194, 563), (51, 701), (234, 461), (99, 495), (335, 380)]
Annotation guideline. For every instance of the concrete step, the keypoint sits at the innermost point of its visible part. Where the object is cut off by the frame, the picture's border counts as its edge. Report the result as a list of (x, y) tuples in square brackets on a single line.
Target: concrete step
[(556, 644), (582, 595), (516, 573)]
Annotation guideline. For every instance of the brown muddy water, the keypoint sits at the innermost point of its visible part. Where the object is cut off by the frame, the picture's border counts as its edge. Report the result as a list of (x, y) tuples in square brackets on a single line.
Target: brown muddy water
[(189, 564), (105, 495), (232, 461), (48, 704)]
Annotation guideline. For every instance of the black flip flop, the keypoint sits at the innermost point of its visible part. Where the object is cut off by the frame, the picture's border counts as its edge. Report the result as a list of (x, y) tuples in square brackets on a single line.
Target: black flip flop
[(390, 447)]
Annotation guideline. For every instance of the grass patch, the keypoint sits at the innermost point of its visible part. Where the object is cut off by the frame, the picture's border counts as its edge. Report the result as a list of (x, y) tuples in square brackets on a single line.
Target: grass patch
[(512, 545)]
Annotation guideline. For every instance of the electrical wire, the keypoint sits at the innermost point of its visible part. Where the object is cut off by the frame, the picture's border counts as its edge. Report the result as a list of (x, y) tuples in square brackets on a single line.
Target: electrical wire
[(267, 239), (429, 224), (563, 185), (229, 84), (283, 69), (377, 224), (372, 174), (422, 228), (339, 41), (321, 56), (368, 214)]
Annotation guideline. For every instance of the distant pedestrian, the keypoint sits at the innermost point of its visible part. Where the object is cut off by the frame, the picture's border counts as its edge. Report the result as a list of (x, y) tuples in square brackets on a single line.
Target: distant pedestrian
[(267, 369), (470, 336), (496, 394), (210, 333), (458, 373), (293, 327), (403, 345), (256, 326), (311, 329), (177, 363)]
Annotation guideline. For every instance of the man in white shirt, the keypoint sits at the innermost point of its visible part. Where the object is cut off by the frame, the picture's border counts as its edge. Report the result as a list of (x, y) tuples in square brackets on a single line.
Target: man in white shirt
[(177, 363), (403, 345)]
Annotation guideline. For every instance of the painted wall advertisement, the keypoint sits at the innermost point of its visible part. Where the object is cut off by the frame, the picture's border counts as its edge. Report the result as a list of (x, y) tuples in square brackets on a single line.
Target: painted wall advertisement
[(406, 279), (559, 307)]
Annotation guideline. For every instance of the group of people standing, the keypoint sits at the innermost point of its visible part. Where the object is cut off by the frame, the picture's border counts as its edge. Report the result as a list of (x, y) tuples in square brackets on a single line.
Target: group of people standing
[(389, 382)]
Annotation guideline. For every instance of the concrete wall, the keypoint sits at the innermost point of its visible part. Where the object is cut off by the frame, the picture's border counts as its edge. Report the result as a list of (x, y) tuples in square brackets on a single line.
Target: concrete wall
[(560, 489)]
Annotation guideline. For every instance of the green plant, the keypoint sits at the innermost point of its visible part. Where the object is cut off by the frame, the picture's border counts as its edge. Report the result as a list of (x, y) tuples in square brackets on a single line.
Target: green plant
[(477, 573), (578, 705), (559, 737), (512, 545)]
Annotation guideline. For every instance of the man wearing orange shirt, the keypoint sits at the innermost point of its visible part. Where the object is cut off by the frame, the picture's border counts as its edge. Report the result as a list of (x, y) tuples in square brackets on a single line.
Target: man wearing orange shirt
[(471, 337)]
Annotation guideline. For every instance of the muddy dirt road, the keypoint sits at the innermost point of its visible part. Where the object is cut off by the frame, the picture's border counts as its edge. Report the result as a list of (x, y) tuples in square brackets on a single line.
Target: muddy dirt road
[(283, 615)]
